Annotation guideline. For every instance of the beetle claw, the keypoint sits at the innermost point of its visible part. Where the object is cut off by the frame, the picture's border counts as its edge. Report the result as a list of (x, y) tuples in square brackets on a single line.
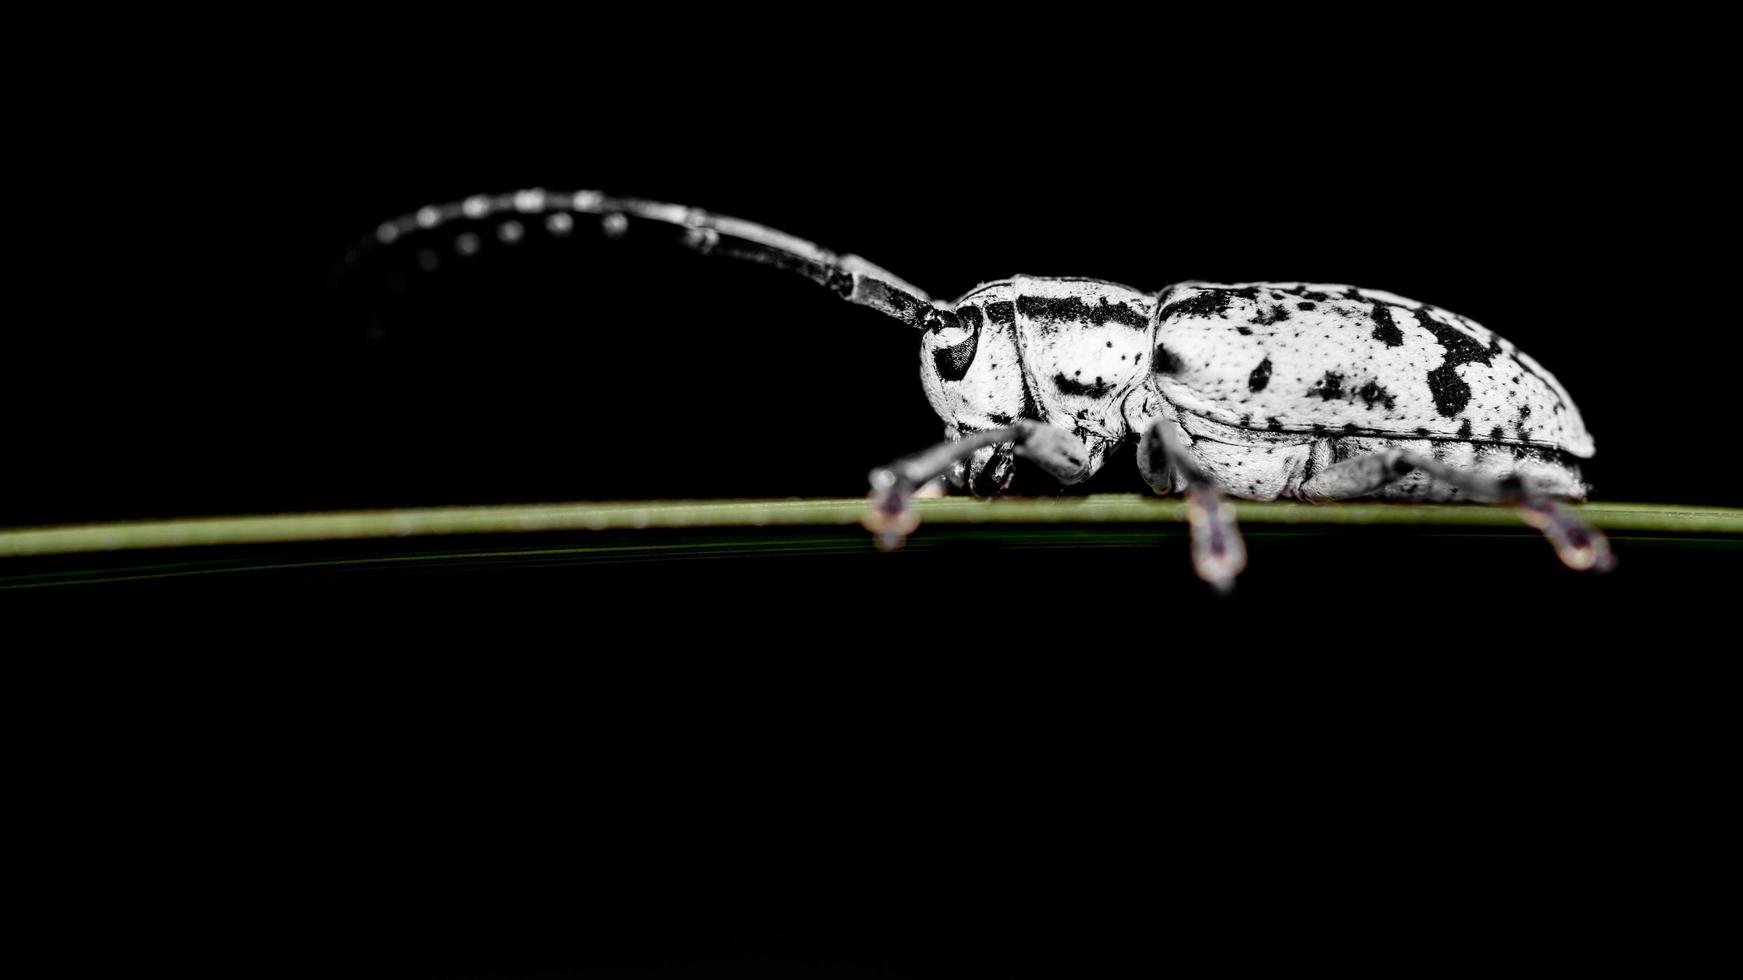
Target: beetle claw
[(891, 516), (1579, 545), (1218, 553)]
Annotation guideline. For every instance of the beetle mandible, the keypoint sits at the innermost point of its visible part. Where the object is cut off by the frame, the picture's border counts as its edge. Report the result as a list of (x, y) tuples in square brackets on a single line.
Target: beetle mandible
[(1260, 390)]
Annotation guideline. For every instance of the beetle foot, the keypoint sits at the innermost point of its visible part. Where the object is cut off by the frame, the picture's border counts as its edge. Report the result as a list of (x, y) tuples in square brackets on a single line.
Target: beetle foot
[(891, 516), (1218, 553), (1579, 545), (1060, 453)]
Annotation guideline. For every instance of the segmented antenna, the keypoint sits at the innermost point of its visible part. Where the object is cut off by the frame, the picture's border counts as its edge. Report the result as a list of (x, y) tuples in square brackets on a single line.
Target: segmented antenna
[(848, 276)]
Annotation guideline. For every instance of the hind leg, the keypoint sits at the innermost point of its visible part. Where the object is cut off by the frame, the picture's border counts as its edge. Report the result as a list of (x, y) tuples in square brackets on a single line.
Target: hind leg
[(892, 518), (1579, 545)]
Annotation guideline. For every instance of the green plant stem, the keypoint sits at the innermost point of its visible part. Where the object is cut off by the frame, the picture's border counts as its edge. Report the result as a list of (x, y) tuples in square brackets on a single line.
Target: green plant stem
[(507, 518)]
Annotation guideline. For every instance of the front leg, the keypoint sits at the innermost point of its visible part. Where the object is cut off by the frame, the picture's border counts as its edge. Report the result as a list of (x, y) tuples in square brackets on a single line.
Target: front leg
[(1580, 546), (892, 517), (1218, 553)]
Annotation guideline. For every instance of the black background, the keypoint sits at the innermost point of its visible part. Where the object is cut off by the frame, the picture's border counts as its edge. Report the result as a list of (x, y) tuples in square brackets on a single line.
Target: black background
[(198, 364), (966, 763)]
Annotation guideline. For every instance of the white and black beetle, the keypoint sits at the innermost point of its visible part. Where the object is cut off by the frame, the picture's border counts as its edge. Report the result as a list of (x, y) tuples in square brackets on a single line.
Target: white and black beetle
[(1254, 390)]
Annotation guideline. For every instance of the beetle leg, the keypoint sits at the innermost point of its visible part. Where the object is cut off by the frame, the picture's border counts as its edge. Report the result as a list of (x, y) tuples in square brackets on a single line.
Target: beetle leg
[(1580, 546), (892, 517), (1218, 553)]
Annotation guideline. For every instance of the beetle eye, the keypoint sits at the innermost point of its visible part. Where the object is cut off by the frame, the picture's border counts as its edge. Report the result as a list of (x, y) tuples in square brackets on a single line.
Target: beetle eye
[(953, 361), (953, 347)]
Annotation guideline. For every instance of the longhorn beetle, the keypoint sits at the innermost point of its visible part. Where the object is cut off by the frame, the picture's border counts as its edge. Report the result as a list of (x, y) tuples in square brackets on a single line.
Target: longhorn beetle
[(1261, 390)]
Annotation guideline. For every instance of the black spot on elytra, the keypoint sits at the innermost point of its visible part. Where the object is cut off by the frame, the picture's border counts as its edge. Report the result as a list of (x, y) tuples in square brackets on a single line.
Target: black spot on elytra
[(1057, 309), (1260, 377), (1210, 301), (1165, 362), (1385, 330), (1275, 314), (953, 362), (1372, 392), (1305, 306), (1497, 434), (1071, 386), (1329, 387), (1243, 331), (1465, 429), (1451, 393), (1003, 311), (1274, 425)]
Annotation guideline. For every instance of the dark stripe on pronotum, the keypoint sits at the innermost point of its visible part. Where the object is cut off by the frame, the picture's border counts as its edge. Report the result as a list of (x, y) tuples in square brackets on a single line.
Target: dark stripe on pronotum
[(1073, 309)]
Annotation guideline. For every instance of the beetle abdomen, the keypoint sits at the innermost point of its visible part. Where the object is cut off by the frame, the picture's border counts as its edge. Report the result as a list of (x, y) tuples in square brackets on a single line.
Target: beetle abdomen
[(1263, 465), (1332, 359)]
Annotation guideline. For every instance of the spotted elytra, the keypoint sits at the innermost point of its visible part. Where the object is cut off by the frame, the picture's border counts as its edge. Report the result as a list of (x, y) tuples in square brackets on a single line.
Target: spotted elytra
[(1260, 391)]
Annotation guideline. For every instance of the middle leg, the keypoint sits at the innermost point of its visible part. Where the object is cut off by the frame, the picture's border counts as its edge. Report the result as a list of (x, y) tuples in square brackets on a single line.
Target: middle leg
[(1218, 553)]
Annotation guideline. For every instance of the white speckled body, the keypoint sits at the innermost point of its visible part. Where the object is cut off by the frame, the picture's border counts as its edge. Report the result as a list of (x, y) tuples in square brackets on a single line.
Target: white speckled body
[(1267, 383)]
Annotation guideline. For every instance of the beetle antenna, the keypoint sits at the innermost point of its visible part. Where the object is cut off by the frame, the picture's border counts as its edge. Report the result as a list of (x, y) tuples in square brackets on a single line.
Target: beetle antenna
[(563, 213)]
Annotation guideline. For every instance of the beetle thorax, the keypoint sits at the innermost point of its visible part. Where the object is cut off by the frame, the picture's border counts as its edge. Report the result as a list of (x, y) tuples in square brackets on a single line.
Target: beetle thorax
[(1065, 351)]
